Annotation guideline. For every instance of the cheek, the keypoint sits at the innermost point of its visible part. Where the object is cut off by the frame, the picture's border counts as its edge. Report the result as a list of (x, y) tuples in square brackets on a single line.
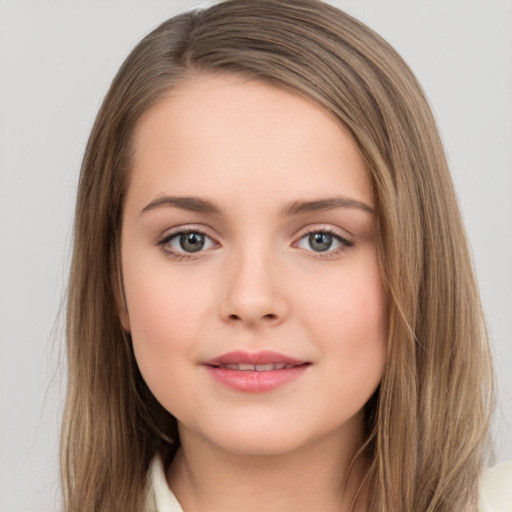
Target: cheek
[(349, 322), (164, 319), (163, 330), (352, 304), (160, 300)]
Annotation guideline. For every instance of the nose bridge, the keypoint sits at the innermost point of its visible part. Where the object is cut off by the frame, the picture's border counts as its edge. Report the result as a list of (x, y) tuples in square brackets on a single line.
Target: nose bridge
[(253, 291)]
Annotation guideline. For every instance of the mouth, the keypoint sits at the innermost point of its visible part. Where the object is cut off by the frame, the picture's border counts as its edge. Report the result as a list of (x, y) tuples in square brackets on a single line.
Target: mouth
[(255, 372), (246, 367)]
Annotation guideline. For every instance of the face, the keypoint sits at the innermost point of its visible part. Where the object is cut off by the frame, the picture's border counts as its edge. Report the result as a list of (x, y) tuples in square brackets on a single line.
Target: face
[(249, 262)]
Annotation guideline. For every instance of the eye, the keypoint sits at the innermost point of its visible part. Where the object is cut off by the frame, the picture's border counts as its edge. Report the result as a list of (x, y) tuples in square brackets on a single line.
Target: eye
[(323, 241), (186, 242)]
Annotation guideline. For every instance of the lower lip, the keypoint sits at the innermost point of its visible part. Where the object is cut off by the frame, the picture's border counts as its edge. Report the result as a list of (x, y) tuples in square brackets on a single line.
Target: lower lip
[(256, 382)]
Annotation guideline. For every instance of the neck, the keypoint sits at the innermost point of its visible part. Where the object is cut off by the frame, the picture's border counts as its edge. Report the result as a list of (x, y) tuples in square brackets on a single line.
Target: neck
[(319, 476)]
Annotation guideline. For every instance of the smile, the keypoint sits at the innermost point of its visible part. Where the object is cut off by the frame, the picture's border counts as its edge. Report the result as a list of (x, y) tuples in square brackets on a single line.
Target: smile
[(255, 372)]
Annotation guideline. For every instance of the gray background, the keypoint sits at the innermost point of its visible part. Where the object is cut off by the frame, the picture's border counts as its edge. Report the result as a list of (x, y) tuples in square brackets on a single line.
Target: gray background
[(56, 61)]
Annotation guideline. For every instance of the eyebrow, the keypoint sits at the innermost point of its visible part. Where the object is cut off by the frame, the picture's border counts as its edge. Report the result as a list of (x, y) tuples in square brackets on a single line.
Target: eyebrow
[(318, 205), (199, 205), (192, 204)]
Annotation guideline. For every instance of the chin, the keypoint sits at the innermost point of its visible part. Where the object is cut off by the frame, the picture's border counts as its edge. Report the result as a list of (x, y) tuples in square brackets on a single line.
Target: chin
[(258, 445), (261, 438)]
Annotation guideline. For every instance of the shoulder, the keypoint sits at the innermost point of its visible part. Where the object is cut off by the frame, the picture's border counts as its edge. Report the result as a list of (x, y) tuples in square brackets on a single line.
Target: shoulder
[(159, 498), (495, 489)]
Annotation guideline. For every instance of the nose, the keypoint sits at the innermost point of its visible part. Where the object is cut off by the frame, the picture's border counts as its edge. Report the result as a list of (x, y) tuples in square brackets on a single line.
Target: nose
[(252, 293)]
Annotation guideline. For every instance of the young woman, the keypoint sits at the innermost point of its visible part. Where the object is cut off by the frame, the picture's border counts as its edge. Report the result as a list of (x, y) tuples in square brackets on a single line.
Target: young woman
[(271, 302)]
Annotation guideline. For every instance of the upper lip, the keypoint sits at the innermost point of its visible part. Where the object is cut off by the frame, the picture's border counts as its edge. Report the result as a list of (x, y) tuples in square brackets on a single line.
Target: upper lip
[(254, 358)]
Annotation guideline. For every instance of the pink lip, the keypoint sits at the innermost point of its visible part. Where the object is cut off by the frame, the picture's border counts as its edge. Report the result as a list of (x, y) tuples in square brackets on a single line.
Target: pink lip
[(263, 357), (252, 381)]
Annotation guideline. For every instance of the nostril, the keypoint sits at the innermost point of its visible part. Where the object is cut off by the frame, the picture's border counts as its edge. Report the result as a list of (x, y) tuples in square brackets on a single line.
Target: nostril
[(269, 317)]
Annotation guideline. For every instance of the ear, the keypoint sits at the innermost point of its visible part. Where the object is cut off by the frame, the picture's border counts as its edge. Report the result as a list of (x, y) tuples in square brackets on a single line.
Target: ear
[(120, 297), (124, 317)]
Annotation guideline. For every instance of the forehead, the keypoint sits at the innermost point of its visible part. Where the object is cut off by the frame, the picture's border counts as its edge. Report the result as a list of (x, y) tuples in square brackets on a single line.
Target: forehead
[(227, 132)]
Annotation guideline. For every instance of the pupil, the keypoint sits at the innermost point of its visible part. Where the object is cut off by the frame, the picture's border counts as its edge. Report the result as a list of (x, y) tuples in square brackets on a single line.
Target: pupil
[(320, 241), (192, 242)]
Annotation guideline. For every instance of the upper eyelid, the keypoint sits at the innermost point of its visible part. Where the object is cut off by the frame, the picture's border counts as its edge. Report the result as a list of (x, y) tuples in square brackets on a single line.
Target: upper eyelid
[(187, 228), (325, 228)]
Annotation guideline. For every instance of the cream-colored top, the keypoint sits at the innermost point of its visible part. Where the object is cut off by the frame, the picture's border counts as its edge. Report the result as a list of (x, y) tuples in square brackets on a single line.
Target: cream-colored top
[(495, 493)]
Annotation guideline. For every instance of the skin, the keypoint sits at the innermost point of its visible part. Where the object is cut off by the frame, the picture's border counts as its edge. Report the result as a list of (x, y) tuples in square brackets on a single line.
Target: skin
[(258, 284)]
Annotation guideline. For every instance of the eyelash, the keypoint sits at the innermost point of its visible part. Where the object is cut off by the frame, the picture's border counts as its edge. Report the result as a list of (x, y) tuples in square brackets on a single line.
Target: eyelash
[(328, 254), (176, 255)]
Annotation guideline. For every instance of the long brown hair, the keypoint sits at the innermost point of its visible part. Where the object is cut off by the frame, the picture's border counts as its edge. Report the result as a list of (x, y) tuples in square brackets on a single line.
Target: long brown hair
[(427, 423)]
